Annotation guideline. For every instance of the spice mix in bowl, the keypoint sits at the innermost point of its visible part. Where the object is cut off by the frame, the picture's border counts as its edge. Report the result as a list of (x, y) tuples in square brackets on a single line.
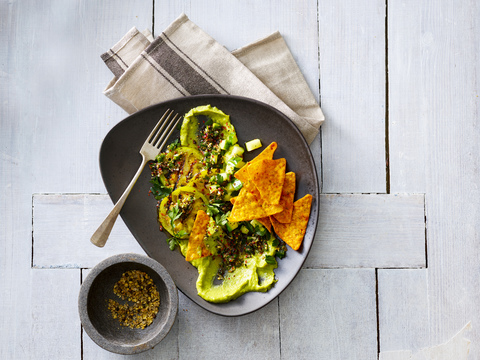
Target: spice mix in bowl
[(128, 303)]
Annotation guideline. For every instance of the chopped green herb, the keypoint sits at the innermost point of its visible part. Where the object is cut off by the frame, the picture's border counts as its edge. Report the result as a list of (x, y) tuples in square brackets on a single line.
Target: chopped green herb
[(158, 189), (270, 260)]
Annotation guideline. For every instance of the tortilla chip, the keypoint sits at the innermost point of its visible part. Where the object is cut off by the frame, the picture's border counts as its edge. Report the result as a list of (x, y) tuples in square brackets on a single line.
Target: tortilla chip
[(247, 205), (267, 153), (268, 176), (271, 209), (196, 246), (293, 232), (266, 222), (242, 174), (286, 200)]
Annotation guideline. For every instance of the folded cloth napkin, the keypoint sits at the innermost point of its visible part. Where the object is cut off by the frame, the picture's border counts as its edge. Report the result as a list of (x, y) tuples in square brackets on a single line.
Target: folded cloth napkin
[(184, 60)]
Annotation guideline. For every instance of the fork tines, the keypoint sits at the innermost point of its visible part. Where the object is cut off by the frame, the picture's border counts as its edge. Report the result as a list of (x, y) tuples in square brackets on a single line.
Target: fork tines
[(158, 137)]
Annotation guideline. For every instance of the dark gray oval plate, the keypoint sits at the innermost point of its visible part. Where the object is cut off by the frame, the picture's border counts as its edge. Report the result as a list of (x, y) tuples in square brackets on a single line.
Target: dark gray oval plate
[(120, 159)]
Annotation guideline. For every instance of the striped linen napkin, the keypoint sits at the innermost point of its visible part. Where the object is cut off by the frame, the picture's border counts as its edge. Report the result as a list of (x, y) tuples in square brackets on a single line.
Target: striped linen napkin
[(184, 60)]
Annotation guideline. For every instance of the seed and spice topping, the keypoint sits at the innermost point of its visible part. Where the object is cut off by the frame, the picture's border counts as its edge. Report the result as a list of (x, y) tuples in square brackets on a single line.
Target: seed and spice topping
[(141, 297)]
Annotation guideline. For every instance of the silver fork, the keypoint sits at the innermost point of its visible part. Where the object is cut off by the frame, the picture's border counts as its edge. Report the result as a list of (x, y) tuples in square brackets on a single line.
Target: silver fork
[(150, 149)]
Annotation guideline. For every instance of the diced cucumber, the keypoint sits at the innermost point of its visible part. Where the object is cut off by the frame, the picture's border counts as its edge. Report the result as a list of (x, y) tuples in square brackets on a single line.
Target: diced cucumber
[(229, 188), (225, 144), (244, 229), (232, 136), (230, 168), (229, 191), (237, 150), (237, 184), (231, 226), (233, 164), (232, 158), (225, 176), (219, 178), (256, 223), (234, 151), (240, 165), (253, 144)]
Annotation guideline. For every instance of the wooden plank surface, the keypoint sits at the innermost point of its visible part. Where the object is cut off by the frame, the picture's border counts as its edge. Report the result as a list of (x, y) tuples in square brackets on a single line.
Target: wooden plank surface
[(352, 82), (15, 226), (64, 103), (436, 46), (354, 231), (409, 107), (206, 336), (54, 330), (376, 231), (340, 324), (63, 225), (52, 120), (403, 326)]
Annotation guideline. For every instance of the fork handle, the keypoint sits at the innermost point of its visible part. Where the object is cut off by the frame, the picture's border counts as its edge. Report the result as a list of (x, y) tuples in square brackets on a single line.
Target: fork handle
[(100, 236)]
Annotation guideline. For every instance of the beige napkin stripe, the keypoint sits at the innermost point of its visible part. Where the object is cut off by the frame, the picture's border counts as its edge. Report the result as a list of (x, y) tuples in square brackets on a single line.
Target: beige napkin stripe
[(200, 70), (122, 63), (187, 72), (119, 57), (115, 63), (161, 71)]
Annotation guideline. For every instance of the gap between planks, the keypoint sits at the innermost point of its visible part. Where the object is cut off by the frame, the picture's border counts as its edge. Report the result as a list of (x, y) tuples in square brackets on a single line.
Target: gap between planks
[(387, 111), (377, 313)]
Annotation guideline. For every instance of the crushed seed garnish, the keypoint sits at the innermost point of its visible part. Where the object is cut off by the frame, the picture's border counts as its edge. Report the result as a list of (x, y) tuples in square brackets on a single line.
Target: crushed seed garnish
[(138, 288)]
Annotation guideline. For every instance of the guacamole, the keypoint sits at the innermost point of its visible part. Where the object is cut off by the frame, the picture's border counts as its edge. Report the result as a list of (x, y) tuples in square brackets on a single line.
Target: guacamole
[(195, 174)]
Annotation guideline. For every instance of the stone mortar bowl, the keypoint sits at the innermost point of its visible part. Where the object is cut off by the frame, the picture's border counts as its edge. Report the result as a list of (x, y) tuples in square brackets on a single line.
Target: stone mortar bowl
[(97, 319)]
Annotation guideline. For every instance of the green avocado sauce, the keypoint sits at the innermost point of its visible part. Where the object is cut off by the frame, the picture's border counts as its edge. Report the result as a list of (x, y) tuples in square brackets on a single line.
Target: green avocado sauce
[(196, 173)]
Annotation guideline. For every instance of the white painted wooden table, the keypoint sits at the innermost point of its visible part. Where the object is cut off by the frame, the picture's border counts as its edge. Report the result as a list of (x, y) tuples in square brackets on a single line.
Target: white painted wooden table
[(395, 263)]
